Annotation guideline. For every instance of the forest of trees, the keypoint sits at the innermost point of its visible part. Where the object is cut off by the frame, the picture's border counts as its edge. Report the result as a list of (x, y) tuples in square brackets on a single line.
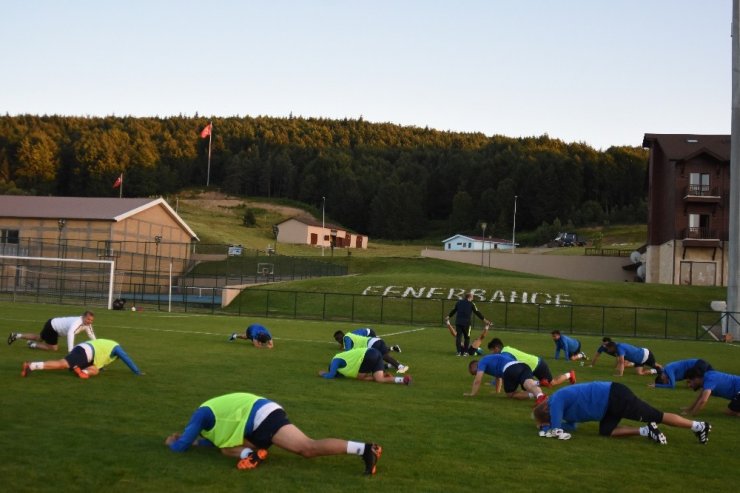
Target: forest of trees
[(380, 179)]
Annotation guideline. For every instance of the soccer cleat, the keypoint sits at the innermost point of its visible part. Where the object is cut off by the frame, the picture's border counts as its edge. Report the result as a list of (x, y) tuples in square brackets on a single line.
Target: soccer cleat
[(655, 434), (583, 356), (83, 375), (703, 435), (370, 457), (407, 380), (402, 369), (459, 354), (25, 369), (232, 337), (572, 376), (11, 338), (542, 398), (396, 348), (253, 460), (544, 383)]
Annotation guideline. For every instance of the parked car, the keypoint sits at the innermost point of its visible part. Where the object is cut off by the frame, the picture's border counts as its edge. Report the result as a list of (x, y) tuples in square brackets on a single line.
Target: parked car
[(569, 240)]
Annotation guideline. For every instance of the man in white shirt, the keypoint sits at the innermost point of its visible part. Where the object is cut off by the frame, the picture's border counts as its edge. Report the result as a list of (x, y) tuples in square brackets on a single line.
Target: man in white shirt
[(53, 328)]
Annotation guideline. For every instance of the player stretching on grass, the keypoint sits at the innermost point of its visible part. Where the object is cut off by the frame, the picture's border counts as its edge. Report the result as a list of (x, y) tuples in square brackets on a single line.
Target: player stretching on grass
[(637, 355), (48, 339), (608, 403), (602, 349), (676, 371), (86, 359), (361, 338), (536, 364), (245, 425), (464, 310), (258, 334), (513, 374), (714, 383), (362, 364), (569, 345)]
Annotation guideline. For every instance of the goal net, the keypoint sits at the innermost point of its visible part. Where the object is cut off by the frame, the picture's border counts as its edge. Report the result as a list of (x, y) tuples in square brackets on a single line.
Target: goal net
[(62, 280)]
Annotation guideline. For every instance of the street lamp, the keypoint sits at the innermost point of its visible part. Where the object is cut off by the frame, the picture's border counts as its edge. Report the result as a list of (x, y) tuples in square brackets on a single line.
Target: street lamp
[(323, 231), (60, 224), (513, 230), (483, 244)]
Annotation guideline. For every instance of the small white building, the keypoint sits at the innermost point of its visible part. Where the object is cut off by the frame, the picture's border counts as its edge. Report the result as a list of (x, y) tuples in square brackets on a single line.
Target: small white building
[(463, 243)]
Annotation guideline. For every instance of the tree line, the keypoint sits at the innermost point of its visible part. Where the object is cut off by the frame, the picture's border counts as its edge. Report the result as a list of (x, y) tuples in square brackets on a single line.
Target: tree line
[(380, 179)]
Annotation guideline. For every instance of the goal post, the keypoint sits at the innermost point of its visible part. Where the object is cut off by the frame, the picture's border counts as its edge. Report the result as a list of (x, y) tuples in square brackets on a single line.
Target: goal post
[(55, 276)]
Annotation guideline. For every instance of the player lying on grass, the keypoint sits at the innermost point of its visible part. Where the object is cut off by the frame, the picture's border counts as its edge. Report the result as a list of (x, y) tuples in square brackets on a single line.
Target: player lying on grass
[(676, 371), (602, 349), (569, 345), (608, 403), (258, 334), (86, 359), (48, 338), (361, 338), (640, 356), (535, 363), (362, 364), (713, 383), (245, 425), (513, 374)]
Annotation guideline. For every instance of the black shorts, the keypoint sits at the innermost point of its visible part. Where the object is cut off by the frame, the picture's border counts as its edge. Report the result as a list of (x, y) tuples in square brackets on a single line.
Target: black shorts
[(381, 346), (262, 436), (542, 372), (515, 375), (650, 361), (734, 404), (77, 357), (372, 362), (624, 404), (49, 335)]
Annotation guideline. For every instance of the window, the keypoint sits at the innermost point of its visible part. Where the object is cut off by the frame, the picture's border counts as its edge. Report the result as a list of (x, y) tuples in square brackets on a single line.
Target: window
[(9, 236), (699, 184), (698, 226)]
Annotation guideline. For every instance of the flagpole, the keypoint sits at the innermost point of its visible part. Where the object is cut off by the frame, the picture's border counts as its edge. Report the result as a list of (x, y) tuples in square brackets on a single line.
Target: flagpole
[(120, 189), (210, 135)]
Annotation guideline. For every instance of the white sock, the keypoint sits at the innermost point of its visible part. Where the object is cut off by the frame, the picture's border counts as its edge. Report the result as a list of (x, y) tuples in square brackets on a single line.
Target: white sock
[(538, 395), (245, 453), (653, 371), (531, 395), (355, 448), (398, 380), (32, 345), (643, 431), (36, 365), (697, 426)]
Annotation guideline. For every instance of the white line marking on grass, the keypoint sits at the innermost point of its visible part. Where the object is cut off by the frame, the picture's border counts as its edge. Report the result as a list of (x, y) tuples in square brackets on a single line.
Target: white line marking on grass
[(404, 332), (219, 334)]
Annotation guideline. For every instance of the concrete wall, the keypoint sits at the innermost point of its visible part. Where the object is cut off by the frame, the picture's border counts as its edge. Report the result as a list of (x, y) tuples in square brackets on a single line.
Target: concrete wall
[(577, 268)]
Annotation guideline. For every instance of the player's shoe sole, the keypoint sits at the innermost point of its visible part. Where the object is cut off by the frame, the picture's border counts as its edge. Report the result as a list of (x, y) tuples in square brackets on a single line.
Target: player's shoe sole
[(80, 373), (253, 460), (703, 435), (25, 369), (655, 434), (11, 338), (370, 457), (402, 369)]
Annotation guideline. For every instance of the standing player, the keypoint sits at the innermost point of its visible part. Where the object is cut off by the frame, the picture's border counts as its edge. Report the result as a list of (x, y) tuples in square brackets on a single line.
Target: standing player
[(676, 371), (464, 310), (86, 359), (513, 374), (537, 365), (358, 339), (363, 364), (714, 383), (48, 339), (569, 345), (637, 355), (245, 425), (258, 334), (608, 403)]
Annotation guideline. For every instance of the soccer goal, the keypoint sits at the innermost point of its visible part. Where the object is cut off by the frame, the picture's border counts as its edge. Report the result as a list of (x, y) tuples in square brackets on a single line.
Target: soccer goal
[(57, 279)]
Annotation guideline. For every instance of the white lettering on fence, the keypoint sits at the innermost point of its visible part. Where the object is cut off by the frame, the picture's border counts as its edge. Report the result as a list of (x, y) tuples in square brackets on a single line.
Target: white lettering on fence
[(479, 294)]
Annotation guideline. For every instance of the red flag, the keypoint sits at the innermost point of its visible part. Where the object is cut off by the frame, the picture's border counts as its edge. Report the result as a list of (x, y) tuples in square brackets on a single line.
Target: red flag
[(118, 182), (206, 131)]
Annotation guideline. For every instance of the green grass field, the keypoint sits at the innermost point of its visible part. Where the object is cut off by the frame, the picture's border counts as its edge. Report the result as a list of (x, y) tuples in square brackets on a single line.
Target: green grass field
[(65, 434)]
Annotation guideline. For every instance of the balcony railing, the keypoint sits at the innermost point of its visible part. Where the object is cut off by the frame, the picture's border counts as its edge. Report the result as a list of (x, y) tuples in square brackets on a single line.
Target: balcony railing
[(700, 233), (701, 191)]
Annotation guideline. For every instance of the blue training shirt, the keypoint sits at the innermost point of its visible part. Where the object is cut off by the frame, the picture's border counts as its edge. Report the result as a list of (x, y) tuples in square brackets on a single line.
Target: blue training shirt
[(567, 344), (578, 403), (493, 364), (255, 330), (365, 332), (631, 353), (722, 384), (676, 371)]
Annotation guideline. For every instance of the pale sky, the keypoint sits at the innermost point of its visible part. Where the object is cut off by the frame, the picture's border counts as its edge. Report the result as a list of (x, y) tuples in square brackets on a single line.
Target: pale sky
[(603, 72)]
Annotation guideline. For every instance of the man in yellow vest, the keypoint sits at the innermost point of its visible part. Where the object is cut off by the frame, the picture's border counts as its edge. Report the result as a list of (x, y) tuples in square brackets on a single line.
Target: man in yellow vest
[(363, 364), (86, 359), (245, 425), (366, 337)]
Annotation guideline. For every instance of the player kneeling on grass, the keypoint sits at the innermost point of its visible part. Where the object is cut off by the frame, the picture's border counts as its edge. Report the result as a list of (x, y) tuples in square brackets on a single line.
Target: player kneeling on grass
[(538, 365), (86, 359), (48, 338), (258, 334), (569, 345), (362, 364), (608, 403), (366, 338), (513, 373), (714, 383), (245, 425)]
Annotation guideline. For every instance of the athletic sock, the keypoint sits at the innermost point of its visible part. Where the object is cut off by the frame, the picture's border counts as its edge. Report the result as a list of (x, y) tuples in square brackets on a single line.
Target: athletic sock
[(36, 365), (697, 426), (531, 395), (32, 345), (355, 448), (538, 395), (245, 453), (398, 380), (653, 371)]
